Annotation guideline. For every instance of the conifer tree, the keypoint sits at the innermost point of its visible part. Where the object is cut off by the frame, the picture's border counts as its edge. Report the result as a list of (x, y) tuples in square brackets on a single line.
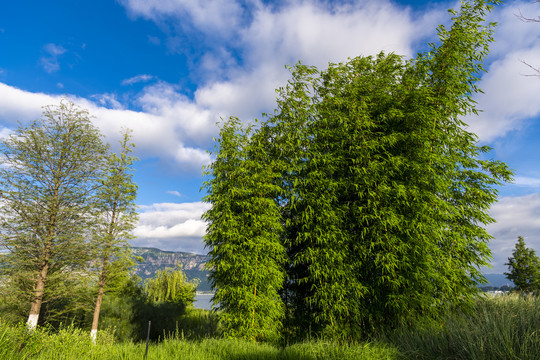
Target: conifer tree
[(48, 180), (117, 217), (524, 268)]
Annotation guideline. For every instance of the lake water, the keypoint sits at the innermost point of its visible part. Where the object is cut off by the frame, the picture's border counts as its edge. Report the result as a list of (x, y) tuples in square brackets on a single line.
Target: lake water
[(203, 301)]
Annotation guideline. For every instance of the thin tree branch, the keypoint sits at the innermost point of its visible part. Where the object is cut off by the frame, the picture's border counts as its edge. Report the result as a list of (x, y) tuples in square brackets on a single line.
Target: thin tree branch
[(537, 70)]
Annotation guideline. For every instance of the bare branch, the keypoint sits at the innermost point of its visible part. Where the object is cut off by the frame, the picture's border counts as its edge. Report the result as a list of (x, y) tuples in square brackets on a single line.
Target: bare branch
[(537, 70), (522, 17)]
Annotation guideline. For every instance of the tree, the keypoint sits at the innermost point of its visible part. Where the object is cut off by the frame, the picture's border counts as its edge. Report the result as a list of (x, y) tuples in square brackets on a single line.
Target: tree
[(48, 180), (524, 268), (246, 266), (117, 219), (382, 192), (389, 192), (170, 285)]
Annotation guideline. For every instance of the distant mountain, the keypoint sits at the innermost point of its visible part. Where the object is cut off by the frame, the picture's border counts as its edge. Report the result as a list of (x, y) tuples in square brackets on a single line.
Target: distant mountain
[(155, 259), (497, 280), (193, 266)]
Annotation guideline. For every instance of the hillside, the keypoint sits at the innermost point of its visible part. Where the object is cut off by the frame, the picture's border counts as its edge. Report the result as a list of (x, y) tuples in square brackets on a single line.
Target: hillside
[(193, 266), (155, 259)]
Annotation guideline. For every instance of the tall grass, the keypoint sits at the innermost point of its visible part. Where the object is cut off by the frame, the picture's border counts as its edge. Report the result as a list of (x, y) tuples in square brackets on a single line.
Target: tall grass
[(71, 343), (505, 327)]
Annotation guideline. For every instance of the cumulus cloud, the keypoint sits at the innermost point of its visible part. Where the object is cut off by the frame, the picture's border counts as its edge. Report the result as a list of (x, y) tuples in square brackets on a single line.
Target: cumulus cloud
[(217, 17), (515, 216), (21, 106), (505, 111), (172, 226), (510, 98), (318, 33), (178, 128), (163, 130), (267, 38)]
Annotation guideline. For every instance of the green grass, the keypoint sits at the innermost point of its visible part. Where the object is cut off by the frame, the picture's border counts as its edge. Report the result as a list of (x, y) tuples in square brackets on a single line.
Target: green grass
[(17, 343), (506, 327)]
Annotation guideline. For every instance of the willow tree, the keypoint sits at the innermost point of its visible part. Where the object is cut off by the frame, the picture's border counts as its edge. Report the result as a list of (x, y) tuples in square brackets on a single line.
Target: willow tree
[(49, 174), (117, 217), (243, 236), (171, 285)]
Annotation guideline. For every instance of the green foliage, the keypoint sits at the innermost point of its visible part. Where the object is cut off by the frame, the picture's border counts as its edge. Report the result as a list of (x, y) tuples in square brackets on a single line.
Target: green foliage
[(69, 301), (71, 343), (48, 179), (243, 235), (117, 217), (116, 209), (170, 285), (524, 268), (382, 193), (512, 322)]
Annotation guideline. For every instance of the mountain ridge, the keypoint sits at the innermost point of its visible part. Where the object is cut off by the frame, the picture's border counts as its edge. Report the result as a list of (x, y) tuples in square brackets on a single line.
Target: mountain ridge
[(193, 265)]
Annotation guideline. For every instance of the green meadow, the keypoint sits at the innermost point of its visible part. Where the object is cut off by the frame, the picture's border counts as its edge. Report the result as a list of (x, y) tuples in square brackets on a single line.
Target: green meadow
[(503, 327)]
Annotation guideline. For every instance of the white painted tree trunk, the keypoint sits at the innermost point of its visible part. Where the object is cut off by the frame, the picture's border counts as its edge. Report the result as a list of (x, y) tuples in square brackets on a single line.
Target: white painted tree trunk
[(32, 321), (93, 335)]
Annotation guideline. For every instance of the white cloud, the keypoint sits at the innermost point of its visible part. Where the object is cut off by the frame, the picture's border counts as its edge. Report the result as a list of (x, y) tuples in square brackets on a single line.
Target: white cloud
[(164, 130), (5, 132), (510, 97), (177, 128), (137, 79), (172, 226), (506, 110), (109, 101), (318, 33), (50, 61), (21, 106), (515, 216), (174, 192), (525, 181), (218, 17)]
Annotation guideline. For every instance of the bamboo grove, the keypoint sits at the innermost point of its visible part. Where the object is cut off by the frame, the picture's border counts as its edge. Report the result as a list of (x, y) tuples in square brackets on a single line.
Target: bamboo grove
[(361, 202)]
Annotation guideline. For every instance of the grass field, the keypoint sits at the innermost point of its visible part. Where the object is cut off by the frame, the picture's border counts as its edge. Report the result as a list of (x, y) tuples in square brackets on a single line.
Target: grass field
[(506, 327)]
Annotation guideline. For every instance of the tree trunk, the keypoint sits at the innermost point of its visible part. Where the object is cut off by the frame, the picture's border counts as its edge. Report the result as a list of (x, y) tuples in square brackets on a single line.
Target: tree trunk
[(101, 290), (33, 317)]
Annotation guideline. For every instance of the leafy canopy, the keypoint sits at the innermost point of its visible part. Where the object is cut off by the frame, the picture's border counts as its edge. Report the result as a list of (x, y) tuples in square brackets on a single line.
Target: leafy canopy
[(524, 268), (382, 195)]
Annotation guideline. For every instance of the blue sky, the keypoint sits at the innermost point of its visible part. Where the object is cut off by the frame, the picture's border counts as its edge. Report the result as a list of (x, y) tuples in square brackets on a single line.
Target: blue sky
[(169, 69)]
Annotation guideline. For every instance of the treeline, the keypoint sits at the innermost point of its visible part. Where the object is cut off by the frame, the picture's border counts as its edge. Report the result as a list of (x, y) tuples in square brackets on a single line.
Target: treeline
[(67, 211), (360, 204)]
